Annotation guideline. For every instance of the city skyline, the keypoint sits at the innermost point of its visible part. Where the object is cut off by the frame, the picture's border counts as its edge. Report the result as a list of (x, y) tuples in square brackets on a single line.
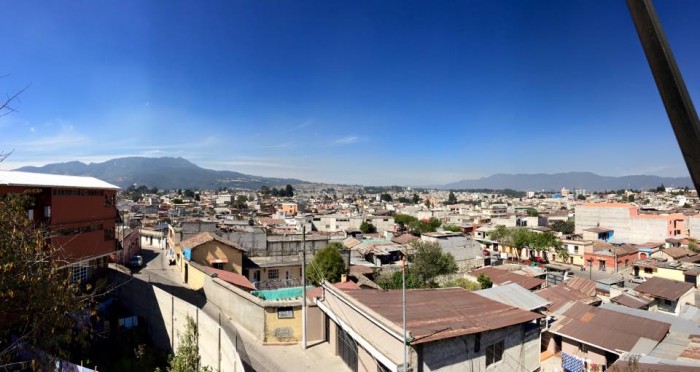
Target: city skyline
[(357, 93)]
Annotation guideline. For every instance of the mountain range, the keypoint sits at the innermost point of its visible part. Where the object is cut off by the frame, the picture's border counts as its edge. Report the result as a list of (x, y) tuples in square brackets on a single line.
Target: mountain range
[(164, 173), (571, 180), (172, 173)]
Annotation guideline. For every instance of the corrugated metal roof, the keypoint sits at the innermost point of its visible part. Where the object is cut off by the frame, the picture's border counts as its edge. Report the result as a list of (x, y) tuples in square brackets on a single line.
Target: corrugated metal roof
[(664, 288), (502, 277), (514, 295), (14, 178), (435, 314), (626, 299), (609, 330)]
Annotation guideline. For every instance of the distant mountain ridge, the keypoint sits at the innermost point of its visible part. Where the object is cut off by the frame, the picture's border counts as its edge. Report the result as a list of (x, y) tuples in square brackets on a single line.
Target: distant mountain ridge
[(571, 180), (164, 173)]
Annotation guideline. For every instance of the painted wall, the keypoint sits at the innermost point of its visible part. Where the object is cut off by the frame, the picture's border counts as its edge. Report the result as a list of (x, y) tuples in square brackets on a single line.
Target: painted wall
[(282, 330), (213, 250)]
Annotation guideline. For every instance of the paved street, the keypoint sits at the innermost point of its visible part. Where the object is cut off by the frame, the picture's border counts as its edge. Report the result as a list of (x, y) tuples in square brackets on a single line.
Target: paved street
[(262, 357)]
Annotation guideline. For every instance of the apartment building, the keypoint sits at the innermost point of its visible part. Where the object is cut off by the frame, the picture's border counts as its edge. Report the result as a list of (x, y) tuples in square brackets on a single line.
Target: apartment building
[(622, 223), (79, 212)]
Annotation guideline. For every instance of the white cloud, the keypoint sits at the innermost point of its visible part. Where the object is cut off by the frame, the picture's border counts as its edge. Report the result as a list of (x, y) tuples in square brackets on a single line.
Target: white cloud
[(347, 140)]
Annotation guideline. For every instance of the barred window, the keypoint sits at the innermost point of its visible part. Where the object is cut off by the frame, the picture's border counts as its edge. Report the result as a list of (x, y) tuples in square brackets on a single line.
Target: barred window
[(273, 274)]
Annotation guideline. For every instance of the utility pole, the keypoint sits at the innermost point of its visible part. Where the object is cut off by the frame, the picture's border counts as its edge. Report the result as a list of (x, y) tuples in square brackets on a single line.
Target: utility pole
[(303, 286), (403, 310)]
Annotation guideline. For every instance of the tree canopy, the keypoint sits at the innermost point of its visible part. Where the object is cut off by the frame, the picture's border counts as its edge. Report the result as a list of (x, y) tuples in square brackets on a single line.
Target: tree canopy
[(426, 262), (367, 228), (451, 199), (327, 264), (40, 304), (564, 227)]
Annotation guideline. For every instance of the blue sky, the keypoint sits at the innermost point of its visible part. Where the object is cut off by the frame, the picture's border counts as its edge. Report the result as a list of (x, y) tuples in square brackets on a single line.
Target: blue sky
[(367, 92)]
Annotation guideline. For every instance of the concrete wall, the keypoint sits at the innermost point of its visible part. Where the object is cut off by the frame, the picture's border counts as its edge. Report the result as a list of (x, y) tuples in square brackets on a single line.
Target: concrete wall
[(243, 308), (694, 226), (255, 241), (459, 354), (166, 315), (593, 355), (315, 323)]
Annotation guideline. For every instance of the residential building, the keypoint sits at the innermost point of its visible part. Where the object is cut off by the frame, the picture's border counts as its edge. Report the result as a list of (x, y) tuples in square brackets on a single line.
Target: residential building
[(667, 295), (208, 249), (79, 212), (445, 330), (606, 257), (628, 225), (590, 338)]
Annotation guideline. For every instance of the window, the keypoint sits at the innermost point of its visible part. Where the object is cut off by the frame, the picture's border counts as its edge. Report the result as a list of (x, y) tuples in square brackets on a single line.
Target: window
[(648, 270), (218, 265), (285, 313), (47, 211), (494, 353), (576, 249), (30, 214), (79, 273), (273, 274)]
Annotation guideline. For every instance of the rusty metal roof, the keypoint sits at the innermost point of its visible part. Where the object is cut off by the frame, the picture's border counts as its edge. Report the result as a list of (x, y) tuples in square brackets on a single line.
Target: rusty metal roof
[(635, 302), (560, 295), (582, 285), (666, 289), (609, 330), (436, 314), (500, 277)]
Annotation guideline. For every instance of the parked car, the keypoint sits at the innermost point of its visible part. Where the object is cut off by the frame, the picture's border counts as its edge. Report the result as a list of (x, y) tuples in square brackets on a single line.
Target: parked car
[(637, 279), (135, 262)]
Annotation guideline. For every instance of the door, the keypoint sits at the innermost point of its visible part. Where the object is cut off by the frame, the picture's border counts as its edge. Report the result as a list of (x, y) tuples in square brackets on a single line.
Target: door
[(186, 272), (601, 265)]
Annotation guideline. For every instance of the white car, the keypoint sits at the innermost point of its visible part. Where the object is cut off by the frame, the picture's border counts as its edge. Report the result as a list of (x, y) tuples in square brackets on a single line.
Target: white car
[(637, 279)]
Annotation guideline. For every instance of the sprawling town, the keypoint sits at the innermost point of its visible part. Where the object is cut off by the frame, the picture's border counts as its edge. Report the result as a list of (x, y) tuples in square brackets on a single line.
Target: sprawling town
[(335, 277)]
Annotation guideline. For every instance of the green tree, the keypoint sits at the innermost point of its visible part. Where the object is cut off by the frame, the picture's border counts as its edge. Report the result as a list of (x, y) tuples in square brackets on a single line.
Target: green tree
[(327, 264), (484, 281), (581, 197), (385, 197), (264, 190), (416, 199), (452, 228), (564, 227), (186, 358), (288, 191), (39, 304), (428, 261), (189, 193), (404, 219), (661, 188), (394, 279), (403, 199), (693, 246), (630, 198), (241, 202), (367, 228), (532, 212), (465, 283), (451, 199)]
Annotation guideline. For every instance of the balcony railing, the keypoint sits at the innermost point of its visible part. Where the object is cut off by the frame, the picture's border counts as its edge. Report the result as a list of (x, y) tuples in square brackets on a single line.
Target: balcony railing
[(277, 284)]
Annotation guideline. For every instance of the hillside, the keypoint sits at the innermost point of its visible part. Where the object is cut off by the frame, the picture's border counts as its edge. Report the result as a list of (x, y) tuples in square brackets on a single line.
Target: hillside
[(165, 173), (571, 180)]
